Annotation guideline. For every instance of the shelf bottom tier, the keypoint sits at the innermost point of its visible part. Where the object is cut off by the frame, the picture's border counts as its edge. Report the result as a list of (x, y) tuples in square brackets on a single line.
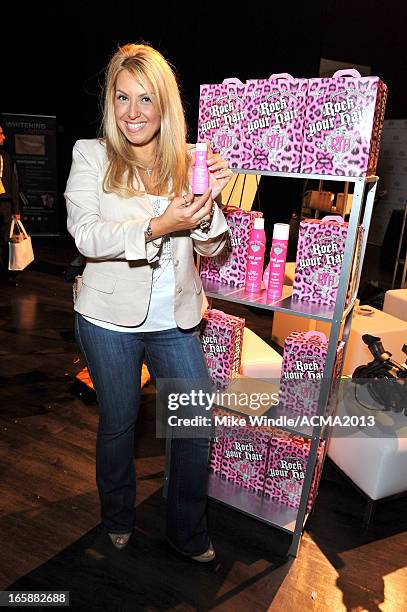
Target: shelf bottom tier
[(275, 514)]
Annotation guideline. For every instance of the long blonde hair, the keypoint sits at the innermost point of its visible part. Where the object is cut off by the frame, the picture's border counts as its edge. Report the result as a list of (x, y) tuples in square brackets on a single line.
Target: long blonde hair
[(150, 69)]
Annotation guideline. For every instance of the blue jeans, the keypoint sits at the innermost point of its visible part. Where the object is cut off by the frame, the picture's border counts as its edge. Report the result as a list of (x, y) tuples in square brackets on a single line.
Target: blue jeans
[(114, 360)]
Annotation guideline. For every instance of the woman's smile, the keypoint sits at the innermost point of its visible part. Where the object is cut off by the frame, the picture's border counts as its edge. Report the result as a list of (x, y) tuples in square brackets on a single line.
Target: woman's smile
[(135, 127)]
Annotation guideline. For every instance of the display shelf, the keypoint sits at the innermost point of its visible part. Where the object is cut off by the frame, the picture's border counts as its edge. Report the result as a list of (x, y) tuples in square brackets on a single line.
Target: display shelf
[(287, 304), (317, 177), (267, 511), (279, 516)]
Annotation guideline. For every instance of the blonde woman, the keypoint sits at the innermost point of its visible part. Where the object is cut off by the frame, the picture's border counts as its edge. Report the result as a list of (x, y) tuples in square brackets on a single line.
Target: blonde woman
[(134, 218)]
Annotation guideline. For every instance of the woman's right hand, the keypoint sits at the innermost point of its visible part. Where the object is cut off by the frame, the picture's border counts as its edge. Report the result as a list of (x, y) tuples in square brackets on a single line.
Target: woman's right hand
[(184, 213)]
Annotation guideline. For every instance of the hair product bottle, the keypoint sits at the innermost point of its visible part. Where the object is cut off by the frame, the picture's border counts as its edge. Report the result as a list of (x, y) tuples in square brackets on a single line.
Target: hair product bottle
[(200, 174), (255, 257), (278, 255)]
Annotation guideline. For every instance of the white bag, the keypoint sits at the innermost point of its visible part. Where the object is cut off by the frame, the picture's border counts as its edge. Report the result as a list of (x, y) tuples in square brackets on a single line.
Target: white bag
[(20, 248)]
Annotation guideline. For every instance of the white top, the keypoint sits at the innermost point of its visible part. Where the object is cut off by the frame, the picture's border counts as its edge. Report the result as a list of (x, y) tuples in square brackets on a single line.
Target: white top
[(160, 315)]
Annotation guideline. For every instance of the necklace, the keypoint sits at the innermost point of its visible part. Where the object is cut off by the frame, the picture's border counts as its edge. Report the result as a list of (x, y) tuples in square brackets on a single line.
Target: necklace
[(148, 170)]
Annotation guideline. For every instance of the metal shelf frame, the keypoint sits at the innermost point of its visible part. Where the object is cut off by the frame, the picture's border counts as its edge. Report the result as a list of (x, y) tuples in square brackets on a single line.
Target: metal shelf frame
[(401, 258), (279, 516), (267, 511), (318, 177), (287, 305), (363, 197)]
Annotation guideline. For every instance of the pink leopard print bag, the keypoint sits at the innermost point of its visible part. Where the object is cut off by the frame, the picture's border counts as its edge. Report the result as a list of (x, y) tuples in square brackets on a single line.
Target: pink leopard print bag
[(302, 371), (222, 342), (229, 267), (221, 115), (343, 124), (320, 250), (273, 126)]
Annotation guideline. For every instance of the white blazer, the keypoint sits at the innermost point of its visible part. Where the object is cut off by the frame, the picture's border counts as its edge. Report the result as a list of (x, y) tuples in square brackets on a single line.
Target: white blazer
[(109, 231)]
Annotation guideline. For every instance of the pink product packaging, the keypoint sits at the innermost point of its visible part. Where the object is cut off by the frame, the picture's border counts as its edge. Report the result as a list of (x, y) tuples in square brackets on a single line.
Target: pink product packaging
[(244, 458), (343, 124), (200, 173), (240, 453), (215, 453), (222, 341), (217, 441), (230, 266), (302, 371), (286, 466), (320, 249), (255, 257), (273, 126), (221, 117), (278, 256)]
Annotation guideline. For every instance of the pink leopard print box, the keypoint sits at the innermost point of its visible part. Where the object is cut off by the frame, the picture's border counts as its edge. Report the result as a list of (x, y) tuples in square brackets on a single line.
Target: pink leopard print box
[(217, 440), (239, 454), (286, 466), (343, 124), (273, 128), (302, 371), (222, 342), (320, 249), (244, 457), (229, 267), (221, 116)]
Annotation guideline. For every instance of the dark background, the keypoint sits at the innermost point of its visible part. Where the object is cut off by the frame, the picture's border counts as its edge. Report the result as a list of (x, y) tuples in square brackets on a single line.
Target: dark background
[(53, 58)]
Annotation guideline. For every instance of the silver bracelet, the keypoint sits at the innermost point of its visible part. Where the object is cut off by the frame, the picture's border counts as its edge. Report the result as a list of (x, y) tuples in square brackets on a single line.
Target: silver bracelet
[(148, 233)]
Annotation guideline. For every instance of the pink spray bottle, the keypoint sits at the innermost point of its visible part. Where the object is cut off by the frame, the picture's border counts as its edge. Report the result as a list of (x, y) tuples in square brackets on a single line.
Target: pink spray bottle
[(200, 173), (255, 258), (278, 256)]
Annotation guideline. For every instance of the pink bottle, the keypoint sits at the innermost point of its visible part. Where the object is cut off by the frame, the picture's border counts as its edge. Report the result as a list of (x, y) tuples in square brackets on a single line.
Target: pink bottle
[(278, 255), (200, 174), (255, 256)]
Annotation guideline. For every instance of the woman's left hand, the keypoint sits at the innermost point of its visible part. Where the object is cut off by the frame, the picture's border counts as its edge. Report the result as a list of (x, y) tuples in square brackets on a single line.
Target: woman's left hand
[(219, 171)]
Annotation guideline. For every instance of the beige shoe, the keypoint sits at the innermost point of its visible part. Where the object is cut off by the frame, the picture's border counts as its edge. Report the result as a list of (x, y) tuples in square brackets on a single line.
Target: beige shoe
[(207, 556), (120, 540)]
